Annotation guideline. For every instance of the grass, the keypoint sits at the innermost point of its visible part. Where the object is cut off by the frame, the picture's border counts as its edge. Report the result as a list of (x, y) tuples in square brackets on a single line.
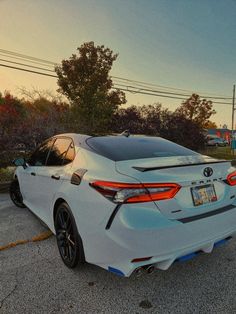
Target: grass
[(219, 152)]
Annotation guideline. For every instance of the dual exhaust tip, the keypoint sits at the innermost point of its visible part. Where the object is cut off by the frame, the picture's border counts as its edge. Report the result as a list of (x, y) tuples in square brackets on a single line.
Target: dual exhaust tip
[(149, 269)]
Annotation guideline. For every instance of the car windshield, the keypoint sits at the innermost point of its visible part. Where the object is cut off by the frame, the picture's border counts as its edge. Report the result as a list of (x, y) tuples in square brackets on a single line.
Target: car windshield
[(120, 148)]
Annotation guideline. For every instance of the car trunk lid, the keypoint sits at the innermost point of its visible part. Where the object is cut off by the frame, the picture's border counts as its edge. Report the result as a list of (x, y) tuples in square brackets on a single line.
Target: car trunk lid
[(187, 171)]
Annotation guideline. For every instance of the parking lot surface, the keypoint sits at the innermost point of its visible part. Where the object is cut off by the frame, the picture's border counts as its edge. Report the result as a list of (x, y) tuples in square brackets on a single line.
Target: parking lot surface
[(33, 278)]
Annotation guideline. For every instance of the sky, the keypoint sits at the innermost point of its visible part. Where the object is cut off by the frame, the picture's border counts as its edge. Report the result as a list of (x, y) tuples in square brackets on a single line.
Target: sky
[(185, 44)]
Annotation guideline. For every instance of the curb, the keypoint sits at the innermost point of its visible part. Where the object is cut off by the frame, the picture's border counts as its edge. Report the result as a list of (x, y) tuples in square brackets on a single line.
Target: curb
[(4, 187)]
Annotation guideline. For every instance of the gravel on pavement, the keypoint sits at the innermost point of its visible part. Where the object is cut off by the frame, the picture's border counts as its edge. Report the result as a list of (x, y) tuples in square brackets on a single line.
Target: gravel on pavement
[(33, 279)]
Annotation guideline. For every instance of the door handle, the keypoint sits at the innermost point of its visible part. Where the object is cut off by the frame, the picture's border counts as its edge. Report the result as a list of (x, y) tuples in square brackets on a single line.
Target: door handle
[(33, 174), (55, 177)]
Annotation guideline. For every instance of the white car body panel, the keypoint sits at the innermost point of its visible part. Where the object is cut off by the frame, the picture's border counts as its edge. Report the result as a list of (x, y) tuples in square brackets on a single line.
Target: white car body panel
[(138, 230)]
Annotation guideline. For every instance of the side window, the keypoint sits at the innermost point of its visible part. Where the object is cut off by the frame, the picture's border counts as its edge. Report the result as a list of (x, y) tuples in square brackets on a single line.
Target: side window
[(39, 157), (61, 152)]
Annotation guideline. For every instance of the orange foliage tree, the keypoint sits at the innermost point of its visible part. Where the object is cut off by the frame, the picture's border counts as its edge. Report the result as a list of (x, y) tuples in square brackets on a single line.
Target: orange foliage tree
[(197, 110)]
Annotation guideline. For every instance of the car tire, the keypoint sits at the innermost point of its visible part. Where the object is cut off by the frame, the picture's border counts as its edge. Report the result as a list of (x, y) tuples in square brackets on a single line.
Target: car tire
[(15, 194), (69, 242)]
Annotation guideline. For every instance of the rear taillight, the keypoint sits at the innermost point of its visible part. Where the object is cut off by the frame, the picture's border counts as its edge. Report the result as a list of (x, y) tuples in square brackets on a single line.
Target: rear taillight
[(231, 178), (134, 192)]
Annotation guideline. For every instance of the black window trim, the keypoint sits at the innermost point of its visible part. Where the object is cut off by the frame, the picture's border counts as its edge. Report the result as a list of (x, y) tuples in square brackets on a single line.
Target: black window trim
[(61, 137), (47, 140)]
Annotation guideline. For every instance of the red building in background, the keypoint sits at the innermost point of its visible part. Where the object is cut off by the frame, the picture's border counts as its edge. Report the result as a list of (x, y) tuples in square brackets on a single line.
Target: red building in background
[(223, 133)]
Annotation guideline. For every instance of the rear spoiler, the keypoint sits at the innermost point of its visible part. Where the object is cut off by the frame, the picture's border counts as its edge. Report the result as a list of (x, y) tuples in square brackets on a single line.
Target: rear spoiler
[(144, 169)]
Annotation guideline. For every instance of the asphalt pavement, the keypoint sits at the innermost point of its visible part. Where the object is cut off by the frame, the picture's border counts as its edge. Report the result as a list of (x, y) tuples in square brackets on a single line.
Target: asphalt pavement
[(17, 223), (33, 278)]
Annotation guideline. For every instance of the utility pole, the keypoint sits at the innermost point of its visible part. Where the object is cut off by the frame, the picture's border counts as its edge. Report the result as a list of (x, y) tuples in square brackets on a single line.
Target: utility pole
[(233, 109)]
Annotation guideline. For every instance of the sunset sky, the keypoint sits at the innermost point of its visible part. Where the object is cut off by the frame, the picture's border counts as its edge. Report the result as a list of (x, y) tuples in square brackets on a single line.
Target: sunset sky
[(185, 44)]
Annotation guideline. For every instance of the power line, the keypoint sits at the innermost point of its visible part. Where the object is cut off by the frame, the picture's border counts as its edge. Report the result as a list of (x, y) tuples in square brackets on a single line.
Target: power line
[(26, 56), (148, 93), (22, 59), (165, 92), (147, 89), (164, 87), (122, 89), (118, 84), (31, 59), (140, 91), (148, 84), (31, 71), (166, 96), (27, 65)]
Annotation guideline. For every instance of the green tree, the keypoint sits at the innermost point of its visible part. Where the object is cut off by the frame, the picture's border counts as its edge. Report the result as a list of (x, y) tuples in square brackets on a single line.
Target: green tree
[(197, 110), (84, 79)]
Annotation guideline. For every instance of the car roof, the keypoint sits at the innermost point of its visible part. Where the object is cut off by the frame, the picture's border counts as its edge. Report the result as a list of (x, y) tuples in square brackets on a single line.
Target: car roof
[(79, 139)]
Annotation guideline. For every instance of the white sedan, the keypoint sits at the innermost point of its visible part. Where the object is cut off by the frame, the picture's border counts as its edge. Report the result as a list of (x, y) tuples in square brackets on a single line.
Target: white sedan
[(127, 203)]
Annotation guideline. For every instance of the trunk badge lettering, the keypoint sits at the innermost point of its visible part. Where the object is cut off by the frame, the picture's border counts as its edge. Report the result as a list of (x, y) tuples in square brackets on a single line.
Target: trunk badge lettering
[(206, 181)]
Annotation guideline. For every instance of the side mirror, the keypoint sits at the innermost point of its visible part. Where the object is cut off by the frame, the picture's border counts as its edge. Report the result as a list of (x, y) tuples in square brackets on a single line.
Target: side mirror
[(20, 162)]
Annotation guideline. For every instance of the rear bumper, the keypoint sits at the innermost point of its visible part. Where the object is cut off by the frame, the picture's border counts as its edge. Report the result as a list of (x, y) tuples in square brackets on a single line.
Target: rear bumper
[(144, 232)]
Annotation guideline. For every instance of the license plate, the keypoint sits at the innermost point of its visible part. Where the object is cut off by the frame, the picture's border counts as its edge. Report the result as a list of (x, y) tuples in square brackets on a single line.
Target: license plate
[(203, 194)]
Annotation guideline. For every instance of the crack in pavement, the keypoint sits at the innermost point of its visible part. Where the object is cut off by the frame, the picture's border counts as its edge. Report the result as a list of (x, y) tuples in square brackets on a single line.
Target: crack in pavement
[(2, 302), (43, 257), (11, 292)]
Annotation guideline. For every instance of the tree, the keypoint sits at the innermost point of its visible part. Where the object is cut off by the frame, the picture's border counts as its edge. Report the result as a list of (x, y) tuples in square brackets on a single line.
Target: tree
[(36, 93), (177, 128), (127, 118), (145, 119), (24, 124), (197, 110), (45, 118), (152, 118), (156, 121), (211, 125), (84, 79), (11, 109)]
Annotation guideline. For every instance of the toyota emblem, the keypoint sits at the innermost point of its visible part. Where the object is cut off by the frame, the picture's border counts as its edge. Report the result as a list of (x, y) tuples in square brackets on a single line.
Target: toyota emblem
[(208, 172)]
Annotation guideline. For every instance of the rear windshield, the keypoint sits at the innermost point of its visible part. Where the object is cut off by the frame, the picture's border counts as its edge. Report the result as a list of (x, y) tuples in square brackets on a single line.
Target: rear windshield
[(120, 148)]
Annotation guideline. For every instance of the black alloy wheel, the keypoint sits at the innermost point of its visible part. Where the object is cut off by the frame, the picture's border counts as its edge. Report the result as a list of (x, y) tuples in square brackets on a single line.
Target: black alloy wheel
[(68, 239), (15, 194)]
